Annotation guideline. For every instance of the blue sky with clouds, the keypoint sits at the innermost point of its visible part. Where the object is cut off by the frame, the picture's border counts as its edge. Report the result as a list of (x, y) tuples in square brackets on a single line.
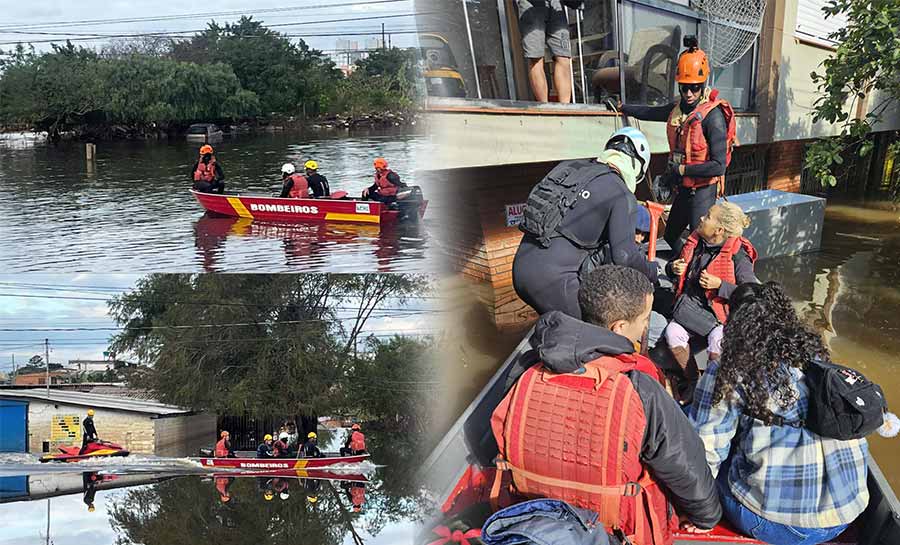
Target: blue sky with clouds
[(14, 12)]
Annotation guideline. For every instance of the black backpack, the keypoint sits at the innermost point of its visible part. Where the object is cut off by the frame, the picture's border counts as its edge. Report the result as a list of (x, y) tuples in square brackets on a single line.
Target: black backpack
[(556, 195), (843, 404)]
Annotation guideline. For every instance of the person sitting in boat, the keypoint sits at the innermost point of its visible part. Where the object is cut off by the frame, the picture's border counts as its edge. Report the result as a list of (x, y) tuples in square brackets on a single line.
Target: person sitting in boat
[(296, 186), (280, 447), (599, 404), (317, 183), (310, 448), (779, 482), (713, 262), (89, 432), (563, 242), (355, 443), (223, 447), (264, 450), (207, 172), (386, 185)]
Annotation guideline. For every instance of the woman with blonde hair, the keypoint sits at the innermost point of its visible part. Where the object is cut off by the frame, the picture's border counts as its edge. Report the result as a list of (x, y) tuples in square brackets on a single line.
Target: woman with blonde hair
[(715, 260)]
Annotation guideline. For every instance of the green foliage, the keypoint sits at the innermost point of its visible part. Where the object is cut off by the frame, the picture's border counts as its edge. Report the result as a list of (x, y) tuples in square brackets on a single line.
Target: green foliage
[(291, 358), (235, 71), (866, 63)]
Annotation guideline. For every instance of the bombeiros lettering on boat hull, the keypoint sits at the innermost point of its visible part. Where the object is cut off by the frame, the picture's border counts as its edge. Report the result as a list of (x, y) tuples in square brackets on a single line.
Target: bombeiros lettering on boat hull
[(284, 208)]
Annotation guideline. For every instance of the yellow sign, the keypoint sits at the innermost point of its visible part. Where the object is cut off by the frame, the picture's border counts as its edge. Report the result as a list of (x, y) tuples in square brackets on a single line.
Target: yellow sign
[(65, 427)]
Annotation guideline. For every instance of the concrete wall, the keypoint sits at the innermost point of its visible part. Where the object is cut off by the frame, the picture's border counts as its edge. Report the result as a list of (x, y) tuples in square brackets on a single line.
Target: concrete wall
[(184, 435), (134, 431)]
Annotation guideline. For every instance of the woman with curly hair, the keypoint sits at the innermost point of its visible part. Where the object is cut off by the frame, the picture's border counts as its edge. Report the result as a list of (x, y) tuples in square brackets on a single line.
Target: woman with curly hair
[(778, 482)]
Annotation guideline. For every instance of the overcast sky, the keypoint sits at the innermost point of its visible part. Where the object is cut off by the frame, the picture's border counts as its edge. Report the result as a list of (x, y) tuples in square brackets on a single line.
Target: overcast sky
[(41, 301), (297, 11)]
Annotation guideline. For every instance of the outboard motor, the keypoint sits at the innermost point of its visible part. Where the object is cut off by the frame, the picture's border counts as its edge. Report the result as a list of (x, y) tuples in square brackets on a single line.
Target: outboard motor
[(409, 200)]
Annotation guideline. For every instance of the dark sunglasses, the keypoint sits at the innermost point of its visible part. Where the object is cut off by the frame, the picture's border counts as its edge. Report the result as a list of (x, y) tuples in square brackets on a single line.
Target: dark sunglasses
[(692, 87)]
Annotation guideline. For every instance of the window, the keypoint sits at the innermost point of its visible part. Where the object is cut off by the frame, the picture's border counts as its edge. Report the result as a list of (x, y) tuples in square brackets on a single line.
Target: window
[(595, 53), (652, 39)]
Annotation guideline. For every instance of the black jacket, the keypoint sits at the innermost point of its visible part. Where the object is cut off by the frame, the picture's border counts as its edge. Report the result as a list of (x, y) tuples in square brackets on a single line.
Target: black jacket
[(671, 449), (89, 430), (310, 450), (318, 185), (714, 130)]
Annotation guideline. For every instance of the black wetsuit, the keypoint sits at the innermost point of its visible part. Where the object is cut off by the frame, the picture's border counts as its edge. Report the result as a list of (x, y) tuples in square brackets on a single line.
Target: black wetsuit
[(264, 451), (215, 186), (690, 205), (90, 433), (549, 278), (318, 185), (310, 450)]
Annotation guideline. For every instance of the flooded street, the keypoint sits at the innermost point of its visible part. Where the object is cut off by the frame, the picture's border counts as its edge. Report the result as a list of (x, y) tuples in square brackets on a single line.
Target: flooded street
[(142, 499), (849, 291), (131, 210)]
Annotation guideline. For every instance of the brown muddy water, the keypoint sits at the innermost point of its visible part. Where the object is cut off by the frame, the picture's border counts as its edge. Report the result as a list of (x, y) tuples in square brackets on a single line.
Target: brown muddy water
[(849, 291)]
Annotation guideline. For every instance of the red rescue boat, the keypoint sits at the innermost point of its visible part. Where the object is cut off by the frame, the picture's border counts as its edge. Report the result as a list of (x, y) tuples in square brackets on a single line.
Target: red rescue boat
[(265, 208), (264, 464)]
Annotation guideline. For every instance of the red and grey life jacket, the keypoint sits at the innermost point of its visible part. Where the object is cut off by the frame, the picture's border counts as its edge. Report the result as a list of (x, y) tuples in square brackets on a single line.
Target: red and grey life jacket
[(357, 441), (300, 189), (578, 438), (688, 145), (385, 187), (206, 172), (722, 266)]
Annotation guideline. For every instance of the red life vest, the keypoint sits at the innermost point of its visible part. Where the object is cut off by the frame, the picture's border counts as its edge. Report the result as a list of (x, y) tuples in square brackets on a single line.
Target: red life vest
[(206, 172), (722, 266), (688, 145), (221, 449), (577, 438), (357, 441), (300, 189), (385, 187)]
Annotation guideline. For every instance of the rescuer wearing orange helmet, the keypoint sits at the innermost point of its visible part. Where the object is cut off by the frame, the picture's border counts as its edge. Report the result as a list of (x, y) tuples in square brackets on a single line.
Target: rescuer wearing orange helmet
[(207, 172), (387, 182), (701, 132)]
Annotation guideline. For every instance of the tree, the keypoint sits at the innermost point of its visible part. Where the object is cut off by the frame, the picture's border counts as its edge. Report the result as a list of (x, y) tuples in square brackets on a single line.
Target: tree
[(283, 353), (865, 64)]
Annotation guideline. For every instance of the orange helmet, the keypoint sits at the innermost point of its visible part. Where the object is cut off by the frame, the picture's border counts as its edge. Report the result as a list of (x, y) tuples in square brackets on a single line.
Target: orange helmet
[(380, 162), (693, 66), (223, 434), (206, 149)]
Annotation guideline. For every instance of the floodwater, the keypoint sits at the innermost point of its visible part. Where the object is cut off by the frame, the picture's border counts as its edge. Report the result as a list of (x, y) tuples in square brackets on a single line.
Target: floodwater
[(130, 211), (849, 291), (154, 501)]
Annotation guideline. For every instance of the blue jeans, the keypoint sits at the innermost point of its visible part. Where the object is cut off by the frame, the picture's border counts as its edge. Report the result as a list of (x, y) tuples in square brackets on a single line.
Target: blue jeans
[(749, 523)]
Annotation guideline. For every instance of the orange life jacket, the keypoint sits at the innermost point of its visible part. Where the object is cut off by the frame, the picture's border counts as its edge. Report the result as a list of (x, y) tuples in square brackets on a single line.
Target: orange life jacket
[(722, 266), (688, 145), (206, 172), (385, 187), (357, 441), (300, 189), (578, 438), (357, 496), (221, 449)]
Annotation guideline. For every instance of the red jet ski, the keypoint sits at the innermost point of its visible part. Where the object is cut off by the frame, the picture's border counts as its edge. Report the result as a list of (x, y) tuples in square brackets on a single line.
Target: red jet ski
[(94, 449)]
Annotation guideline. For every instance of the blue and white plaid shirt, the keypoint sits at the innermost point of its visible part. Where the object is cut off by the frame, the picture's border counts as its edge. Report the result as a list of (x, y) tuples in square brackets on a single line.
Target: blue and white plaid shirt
[(784, 474)]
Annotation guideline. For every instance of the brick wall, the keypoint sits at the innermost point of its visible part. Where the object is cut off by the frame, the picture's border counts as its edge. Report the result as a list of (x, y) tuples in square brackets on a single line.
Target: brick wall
[(134, 431), (785, 165), (184, 435)]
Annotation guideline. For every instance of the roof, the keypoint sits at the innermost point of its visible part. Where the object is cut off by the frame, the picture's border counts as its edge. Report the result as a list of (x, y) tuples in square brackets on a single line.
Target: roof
[(98, 401)]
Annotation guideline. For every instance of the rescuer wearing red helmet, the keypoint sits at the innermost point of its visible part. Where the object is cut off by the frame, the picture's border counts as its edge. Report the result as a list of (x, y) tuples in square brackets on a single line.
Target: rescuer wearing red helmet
[(700, 129)]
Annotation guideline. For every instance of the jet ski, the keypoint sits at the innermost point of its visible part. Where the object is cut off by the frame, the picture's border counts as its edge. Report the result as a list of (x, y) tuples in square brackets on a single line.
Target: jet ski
[(94, 449)]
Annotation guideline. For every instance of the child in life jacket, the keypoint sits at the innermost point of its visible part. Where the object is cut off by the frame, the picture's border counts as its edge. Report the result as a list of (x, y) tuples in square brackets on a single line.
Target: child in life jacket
[(715, 260)]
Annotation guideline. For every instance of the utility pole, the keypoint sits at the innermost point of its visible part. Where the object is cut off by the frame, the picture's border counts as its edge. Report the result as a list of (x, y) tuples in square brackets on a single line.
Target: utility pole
[(14, 366), (382, 35), (389, 41), (47, 361)]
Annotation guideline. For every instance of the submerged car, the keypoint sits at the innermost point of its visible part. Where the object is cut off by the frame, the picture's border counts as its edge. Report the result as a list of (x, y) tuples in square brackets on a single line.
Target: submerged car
[(206, 133)]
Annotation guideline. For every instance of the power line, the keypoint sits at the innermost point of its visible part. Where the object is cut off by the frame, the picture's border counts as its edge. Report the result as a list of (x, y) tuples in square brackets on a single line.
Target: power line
[(57, 24)]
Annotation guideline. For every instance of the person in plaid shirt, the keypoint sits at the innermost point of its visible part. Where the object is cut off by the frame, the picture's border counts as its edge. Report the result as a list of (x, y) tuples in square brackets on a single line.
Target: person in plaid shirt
[(781, 484)]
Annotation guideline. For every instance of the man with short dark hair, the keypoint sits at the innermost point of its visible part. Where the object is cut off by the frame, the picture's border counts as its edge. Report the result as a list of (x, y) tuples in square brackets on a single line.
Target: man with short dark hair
[(587, 400)]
